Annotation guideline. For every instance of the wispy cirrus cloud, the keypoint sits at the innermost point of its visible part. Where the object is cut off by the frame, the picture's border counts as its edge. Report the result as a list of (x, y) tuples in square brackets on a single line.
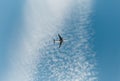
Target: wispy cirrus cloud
[(38, 59)]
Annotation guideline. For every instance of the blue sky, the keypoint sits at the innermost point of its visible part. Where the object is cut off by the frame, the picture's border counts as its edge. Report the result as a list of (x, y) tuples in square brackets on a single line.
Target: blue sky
[(106, 24), (10, 15), (107, 39)]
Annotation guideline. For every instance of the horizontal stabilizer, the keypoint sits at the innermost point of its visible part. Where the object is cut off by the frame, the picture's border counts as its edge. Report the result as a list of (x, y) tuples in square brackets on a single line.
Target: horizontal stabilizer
[(54, 41)]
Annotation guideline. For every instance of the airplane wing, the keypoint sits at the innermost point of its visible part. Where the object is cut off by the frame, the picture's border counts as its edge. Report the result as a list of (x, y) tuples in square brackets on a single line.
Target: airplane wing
[(60, 44), (60, 37)]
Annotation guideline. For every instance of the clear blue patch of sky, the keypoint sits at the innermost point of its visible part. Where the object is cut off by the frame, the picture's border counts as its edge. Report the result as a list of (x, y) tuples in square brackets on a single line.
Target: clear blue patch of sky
[(10, 15), (106, 22)]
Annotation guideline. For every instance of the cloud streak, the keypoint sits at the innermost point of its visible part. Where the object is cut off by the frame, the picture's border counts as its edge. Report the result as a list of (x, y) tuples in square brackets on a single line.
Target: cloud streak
[(38, 59)]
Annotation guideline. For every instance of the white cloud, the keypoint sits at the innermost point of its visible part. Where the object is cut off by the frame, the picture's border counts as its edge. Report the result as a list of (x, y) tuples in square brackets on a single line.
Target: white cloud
[(42, 21)]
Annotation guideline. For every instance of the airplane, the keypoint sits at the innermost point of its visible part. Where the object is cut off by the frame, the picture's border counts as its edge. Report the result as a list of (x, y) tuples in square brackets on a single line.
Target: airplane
[(60, 40)]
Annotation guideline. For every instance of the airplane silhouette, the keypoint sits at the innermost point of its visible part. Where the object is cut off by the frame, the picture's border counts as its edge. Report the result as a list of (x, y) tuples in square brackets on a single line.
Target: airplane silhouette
[(60, 40)]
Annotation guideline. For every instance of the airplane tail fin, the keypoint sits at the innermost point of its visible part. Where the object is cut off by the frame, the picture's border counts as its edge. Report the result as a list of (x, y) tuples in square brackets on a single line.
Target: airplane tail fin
[(54, 41)]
